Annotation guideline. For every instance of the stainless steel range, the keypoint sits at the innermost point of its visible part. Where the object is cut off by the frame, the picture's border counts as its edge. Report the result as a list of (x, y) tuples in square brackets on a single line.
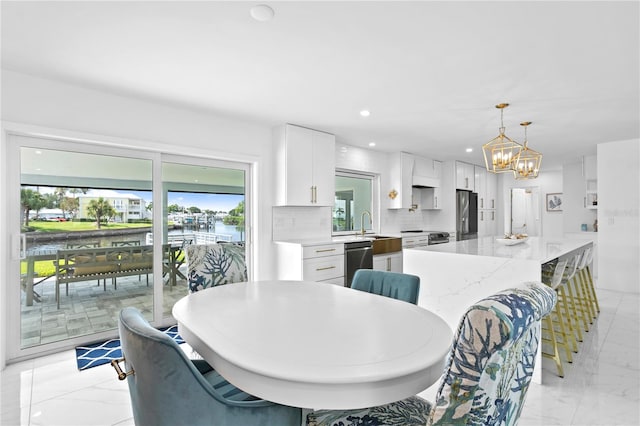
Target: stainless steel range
[(421, 238)]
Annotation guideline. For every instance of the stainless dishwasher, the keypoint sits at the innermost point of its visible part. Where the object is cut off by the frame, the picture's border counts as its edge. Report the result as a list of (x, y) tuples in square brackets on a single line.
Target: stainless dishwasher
[(357, 255)]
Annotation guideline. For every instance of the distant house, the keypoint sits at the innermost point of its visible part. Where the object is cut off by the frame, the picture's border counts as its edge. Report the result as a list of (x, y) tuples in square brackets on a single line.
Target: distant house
[(127, 206)]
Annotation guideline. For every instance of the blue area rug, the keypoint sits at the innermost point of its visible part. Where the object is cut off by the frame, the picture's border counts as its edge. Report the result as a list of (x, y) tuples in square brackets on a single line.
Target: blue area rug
[(103, 352)]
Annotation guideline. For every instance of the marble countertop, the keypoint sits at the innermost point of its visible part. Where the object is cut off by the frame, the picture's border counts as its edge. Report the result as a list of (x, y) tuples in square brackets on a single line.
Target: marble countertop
[(534, 248)]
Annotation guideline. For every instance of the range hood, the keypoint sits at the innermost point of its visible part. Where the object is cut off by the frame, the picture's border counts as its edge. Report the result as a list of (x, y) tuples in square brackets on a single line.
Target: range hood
[(425, 182)]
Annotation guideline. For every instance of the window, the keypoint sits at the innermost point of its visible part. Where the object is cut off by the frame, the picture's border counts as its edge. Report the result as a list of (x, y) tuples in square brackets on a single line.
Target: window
[(354, 195)]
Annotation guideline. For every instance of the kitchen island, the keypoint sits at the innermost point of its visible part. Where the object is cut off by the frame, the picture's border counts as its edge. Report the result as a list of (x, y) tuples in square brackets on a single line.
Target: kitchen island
[(455, 275)]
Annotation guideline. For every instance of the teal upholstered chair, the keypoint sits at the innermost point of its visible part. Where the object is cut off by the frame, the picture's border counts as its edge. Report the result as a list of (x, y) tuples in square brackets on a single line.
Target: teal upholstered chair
[(488, 369), (209, 265), (167, 388), (391, 284)]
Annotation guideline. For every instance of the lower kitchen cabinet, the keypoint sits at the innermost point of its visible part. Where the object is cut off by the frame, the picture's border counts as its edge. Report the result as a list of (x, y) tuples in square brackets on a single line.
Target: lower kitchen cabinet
[(311, 262), (391, 262)]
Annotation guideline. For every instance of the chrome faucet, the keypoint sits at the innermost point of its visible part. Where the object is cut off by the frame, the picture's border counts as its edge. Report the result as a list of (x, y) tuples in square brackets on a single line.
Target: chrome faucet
[(362, 220)]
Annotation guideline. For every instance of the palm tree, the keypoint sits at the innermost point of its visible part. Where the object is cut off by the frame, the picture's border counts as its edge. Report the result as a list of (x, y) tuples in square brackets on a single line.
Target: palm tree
[(30, 200), (100, 208)]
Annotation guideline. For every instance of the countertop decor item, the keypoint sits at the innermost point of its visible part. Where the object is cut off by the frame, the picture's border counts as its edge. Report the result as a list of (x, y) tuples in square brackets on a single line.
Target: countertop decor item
[(511, 241)]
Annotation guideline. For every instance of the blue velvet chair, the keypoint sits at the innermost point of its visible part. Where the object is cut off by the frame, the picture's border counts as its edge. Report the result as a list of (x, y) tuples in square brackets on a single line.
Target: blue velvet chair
[(167, 388), (391, 284), (209, 265), (488, 369)]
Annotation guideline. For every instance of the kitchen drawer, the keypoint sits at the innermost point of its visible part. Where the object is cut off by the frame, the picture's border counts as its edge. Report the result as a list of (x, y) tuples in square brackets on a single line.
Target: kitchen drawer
[(409, 242), (323, 268), (309, 252)]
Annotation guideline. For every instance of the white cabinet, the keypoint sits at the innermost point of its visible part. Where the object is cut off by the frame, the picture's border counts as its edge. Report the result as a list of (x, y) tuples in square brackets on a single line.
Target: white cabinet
[(399, 194), (305, 167), (311, 262), (465, 176), (390, 262), (487, 187), (590, 174), (431, 198), (487, 225)]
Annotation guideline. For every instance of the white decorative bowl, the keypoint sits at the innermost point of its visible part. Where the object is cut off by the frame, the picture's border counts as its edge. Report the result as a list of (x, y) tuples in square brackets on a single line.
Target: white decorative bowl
[(510, 242)]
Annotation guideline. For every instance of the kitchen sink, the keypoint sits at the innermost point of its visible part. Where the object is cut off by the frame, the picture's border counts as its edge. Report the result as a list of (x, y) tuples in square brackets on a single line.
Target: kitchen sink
[(382, 244)]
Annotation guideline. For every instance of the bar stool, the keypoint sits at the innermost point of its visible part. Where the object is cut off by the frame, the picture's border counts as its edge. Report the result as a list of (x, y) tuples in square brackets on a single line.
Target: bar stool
[(573, 318), (552, 276), (579, 309), (585, 298), (588, 282)]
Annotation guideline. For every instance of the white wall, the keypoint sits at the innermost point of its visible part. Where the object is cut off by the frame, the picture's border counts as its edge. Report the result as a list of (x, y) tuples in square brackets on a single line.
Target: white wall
[(618, 215)]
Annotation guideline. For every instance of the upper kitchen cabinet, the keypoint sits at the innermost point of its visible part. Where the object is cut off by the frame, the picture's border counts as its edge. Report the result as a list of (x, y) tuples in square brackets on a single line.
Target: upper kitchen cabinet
[(305, 167), (590, 173), (486, 186), (465, 176), (427, 176), (401, 178)]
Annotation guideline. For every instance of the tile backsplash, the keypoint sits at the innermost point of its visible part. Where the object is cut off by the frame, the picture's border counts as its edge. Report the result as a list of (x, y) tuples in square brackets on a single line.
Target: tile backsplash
[(301, 223)]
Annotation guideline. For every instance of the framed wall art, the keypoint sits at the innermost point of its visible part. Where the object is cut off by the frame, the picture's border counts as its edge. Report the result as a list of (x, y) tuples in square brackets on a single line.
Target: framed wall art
[(554, 202)]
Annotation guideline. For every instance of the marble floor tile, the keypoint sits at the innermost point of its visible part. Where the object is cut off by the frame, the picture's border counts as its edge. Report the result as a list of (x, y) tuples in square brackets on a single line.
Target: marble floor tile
[(601, 387)]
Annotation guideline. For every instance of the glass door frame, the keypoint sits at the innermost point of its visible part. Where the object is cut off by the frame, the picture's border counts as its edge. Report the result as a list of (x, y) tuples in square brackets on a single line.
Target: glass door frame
[(11, 238)]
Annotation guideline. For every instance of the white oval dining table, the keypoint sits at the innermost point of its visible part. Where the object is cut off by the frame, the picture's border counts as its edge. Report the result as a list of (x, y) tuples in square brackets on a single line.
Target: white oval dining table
[(315, 345)]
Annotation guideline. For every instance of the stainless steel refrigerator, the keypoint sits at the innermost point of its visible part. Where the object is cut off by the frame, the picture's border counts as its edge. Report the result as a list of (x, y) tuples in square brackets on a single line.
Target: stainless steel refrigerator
[(466, 215)]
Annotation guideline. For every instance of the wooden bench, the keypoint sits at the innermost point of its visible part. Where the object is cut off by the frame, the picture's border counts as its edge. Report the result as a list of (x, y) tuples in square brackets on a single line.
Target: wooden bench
[(100, 263)]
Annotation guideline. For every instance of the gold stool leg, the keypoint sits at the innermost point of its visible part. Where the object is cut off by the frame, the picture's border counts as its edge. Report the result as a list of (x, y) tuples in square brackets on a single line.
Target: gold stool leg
[(592, 288), (573, 315), (563, 334), (588, 299), (566, 318), (548, 322), (579, 302)]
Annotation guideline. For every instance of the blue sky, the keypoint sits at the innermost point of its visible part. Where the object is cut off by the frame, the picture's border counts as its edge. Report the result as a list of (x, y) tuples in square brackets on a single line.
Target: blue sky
[(216, 202)]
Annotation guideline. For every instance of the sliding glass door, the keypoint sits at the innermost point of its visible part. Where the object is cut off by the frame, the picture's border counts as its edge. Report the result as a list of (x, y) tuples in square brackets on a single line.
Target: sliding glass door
[(82, 232)]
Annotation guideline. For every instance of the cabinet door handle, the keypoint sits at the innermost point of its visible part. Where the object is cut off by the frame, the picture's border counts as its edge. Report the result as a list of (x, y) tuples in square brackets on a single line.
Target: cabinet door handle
[(326, 268), (325, 250), (482, 203), (481, 215), (466, 182), (493, 203), (388, 264), (312, 194), (436, 201), (315, 194), (493, 215)]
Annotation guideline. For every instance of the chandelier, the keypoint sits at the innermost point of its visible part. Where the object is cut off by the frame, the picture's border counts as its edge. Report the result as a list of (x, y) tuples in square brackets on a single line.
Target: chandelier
[(526, 164), (500, 152)]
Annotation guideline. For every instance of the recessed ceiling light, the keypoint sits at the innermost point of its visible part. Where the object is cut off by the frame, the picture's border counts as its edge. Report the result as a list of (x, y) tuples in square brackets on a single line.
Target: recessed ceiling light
[(38, 152), (365, 113), (372, 144), (469, 149), (262, 13)]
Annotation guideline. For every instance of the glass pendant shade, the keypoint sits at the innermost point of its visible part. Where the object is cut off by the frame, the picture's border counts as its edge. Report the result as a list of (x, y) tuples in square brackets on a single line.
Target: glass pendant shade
[(500, 151), (527, 164)]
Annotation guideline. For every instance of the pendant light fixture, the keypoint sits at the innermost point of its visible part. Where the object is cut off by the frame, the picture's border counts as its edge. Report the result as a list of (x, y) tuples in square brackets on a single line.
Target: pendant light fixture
[(500, 151), (526, 164)]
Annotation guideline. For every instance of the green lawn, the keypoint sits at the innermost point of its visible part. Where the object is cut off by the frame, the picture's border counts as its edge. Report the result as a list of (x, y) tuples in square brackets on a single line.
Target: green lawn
[(45, 226)]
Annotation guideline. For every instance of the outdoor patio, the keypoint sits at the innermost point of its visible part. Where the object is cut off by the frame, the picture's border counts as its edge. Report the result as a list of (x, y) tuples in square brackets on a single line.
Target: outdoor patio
[(89, 308)]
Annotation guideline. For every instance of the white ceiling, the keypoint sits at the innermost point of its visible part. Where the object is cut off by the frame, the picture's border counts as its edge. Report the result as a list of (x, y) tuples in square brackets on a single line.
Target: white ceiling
[(429, 72)]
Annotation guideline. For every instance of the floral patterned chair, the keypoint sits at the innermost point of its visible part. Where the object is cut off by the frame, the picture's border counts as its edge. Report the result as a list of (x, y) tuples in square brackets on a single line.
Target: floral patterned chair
[(488, 369), (209, 265)]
